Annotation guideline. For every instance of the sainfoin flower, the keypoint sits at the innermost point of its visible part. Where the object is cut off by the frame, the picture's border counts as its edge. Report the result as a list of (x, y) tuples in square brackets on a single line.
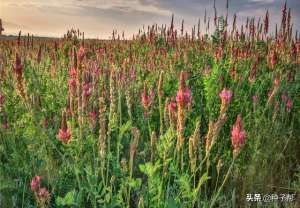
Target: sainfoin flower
[(284, 97), (254, 99), (96, 71), (87, 89), (289, 104), (35, 183), (93, 118), (101, 51), (72, 84), (273, 59), (172, 105), (147, 99), (80, 55), (183, 96), (2, 99), (238, 135), (93, 115), (73, 73), (132, 73), (64, 134), (18, 67), (43, 193), (225, 96)]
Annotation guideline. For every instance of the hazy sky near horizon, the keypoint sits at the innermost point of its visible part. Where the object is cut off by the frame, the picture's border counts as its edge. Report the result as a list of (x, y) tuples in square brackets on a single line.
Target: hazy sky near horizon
[(97, 18)]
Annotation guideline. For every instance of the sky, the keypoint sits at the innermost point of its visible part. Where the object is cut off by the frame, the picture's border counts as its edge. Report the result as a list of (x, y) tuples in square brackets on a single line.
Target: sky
[(98, 18)]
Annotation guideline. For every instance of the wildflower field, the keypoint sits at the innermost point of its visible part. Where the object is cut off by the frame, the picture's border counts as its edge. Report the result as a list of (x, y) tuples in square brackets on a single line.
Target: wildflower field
[(167, 119)]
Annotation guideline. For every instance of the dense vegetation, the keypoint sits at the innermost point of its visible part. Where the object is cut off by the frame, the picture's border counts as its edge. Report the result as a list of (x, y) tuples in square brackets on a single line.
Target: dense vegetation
[(167, 119)]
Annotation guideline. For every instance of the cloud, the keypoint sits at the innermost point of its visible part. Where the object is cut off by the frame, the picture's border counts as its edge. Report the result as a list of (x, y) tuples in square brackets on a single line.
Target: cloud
[(127, 5), (100, 17)]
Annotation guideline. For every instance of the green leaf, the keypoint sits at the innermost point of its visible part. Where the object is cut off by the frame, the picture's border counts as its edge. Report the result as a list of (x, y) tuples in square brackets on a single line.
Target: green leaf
[(68, 200), (172, 203), (201, 182), (135, 183)]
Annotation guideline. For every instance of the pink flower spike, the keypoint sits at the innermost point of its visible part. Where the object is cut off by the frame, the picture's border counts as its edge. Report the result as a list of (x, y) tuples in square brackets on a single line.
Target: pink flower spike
[(187, 96), (225, 96), (72, 83), (64, 135), (80, 54), (183, 97), (35, 183), (43, 193), (152, 94), (73, 73), (289, 104), (172, 105), (97, 71), (2, 99), (180, 97), (238, 134), (254, 98), (87, 89), (147, 99)]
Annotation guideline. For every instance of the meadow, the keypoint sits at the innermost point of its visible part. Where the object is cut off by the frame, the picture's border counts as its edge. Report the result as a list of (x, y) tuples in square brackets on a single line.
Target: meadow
[(166, 119)]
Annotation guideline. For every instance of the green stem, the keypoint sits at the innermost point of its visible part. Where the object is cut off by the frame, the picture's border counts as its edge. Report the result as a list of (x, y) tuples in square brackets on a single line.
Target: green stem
[(120, 106), (221, 187), (161, 115), (130, 176), (109, 155)]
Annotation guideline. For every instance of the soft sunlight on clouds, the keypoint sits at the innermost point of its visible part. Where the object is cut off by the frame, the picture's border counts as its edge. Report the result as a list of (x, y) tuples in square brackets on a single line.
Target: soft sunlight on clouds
[(97, 18), (127, 6)]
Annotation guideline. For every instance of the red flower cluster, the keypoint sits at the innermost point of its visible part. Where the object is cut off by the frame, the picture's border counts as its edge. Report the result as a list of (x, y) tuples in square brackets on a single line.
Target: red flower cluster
[(41, 193), (238, 135), (225, 96), (183, 96), (147, 99), (35, 183), (87, 89), (18, 67), (80, 55), (64, 134)]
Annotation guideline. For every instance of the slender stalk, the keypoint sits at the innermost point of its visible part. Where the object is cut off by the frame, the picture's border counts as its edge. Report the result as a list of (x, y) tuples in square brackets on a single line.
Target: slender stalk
[(222, 185)]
